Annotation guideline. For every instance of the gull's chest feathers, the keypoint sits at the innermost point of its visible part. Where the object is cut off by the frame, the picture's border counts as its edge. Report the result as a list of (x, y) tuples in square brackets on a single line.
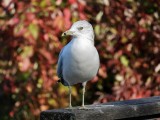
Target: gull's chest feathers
[(80, 61), (81, 48)]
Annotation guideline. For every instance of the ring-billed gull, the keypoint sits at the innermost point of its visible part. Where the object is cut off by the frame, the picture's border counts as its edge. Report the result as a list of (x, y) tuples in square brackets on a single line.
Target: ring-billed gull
[(79, 60)]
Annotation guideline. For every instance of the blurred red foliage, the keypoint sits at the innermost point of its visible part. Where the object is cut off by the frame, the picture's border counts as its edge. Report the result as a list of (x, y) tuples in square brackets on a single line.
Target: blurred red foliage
[(127, 36)]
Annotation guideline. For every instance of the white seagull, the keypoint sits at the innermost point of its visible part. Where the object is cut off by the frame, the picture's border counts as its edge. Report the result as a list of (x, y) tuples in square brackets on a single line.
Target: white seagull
[(79, 60)]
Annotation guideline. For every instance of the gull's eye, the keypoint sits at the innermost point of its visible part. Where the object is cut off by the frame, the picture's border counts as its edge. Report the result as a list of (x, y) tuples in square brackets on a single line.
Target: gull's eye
[(80, 28)]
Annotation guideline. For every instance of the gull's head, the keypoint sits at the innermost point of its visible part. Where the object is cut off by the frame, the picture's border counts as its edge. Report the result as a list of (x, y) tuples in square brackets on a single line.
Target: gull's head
[(81, 28)]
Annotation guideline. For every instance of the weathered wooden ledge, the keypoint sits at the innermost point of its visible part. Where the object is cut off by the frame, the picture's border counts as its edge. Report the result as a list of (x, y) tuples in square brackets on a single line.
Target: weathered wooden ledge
[(138, 109)]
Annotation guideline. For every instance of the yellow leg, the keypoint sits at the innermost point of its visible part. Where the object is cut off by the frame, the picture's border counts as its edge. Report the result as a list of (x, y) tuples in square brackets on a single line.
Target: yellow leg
[(83, 107), (70, 97), (83, 93)]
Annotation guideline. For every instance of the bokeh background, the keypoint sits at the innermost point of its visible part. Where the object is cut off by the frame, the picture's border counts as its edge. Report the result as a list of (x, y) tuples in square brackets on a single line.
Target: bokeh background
[(127, 36)]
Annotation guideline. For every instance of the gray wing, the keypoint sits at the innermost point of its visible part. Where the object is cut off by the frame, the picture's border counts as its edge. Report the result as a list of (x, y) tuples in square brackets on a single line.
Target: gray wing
[(60, 64)]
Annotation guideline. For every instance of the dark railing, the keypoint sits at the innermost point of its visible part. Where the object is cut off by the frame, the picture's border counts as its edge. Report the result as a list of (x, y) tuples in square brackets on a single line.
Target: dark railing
[(138, 109)]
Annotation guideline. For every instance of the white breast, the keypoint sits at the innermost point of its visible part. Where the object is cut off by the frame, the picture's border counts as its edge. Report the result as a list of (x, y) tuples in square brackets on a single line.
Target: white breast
[(80, 61)]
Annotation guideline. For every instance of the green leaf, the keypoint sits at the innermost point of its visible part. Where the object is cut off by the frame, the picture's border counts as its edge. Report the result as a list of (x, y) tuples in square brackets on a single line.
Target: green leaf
[(124, 60), (52, 102), (124, 39), (43, 3), (27, 52), (34, 30), (99, 16), (97, 29)]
